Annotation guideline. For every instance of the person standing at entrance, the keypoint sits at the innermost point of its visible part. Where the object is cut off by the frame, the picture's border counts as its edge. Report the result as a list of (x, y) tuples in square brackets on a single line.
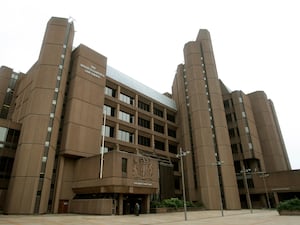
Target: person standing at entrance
[(137, 209)]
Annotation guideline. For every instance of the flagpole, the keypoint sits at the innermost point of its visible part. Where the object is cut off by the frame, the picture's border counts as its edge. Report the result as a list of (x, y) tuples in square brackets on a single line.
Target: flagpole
[(102, 146)]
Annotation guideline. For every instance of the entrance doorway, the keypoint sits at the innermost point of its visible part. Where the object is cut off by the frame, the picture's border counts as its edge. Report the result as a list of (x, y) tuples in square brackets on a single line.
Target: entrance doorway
[(130, 201), (63, 206)]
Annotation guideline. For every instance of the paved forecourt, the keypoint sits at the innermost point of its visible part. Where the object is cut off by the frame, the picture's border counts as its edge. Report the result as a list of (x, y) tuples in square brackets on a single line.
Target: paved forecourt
[(211, 217)]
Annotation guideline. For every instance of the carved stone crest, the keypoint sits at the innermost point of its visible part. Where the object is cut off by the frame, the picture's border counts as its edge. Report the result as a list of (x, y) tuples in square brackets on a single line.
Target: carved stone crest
[(142, 168)]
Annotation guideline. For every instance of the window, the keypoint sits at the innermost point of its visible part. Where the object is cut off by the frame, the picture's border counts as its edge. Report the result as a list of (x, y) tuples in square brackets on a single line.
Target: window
[(124, 166), (8, 98), (172, 133), (175, 166), (108, 131), (240, 183), (234, 148), (3, 133), (231, 132), (173, 149), (144, 123), (108, 110), (12, 136), (110, 92), (144, 141), (234, 116), (159, 145), (240, 99), (107, 149), (177, 183), (125, 136), (4, 111), (15, 76), (247, 130), (158, 128), (171, 118), (250, 145), (250, 183), (158, 112), (144, 106), (243, 114), (238, 132), (127, 99), (126, 117), (6, 165), (241, 147), (228, 118), (226, 103)]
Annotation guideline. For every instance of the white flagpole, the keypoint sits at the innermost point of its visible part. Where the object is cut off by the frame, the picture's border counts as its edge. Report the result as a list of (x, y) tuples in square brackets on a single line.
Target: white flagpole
[(102, 146)]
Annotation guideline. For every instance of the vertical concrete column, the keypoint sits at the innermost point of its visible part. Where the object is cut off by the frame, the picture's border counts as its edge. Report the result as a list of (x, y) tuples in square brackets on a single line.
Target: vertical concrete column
[(120, 211), (118, 92), (165, 113), (136, 118), (58, 184), (118, 111), (151, 107), (276, 198), (147, 203), (136, 135), (136, 101), (152, 124)]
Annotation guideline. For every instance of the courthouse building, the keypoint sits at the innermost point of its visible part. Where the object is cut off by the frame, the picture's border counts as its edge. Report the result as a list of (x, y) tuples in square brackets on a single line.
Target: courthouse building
[(77, 135)]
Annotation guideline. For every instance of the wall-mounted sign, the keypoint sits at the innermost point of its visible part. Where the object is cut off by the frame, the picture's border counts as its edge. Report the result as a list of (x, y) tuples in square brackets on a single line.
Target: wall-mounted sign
[(142, 183), (92, 71)]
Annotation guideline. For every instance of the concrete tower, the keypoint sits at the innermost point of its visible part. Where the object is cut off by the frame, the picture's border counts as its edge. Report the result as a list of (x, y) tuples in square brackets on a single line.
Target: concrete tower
[(273, 147), (39, 107), (197, 92)]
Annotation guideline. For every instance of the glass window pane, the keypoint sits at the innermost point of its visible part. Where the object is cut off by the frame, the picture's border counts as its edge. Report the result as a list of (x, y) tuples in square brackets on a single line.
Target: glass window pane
[(3, 133)]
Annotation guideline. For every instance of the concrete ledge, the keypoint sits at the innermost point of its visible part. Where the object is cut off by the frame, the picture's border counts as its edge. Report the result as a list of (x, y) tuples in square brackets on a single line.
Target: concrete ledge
[(289, 213), (167, 210)]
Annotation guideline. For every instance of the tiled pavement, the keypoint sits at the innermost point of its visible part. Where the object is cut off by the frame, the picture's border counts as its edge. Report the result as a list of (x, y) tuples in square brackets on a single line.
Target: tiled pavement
[(211, 217)]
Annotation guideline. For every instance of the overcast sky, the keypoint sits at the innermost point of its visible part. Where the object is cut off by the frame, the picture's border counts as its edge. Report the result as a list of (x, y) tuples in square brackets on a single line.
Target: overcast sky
[(256, 43)]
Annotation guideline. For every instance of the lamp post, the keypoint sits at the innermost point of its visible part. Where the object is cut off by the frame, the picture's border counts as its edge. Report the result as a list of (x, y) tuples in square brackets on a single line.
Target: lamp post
[(263, 175), (102, 145), (244, 171), (180, 155)]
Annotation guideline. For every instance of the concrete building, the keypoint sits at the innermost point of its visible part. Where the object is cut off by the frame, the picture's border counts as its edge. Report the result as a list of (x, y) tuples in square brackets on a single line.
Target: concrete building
[(77, 135)]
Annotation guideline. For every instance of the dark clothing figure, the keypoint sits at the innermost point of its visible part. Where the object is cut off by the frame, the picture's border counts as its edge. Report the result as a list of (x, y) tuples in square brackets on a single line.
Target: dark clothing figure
[(137, 209)]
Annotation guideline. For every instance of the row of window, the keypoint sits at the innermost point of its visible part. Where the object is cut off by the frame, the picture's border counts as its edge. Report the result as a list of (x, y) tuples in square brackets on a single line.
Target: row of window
[(126, 136), (235, 132), (127, 117), (141, 105), (8, 96), (9, 137), (229, 104), (231, 117)]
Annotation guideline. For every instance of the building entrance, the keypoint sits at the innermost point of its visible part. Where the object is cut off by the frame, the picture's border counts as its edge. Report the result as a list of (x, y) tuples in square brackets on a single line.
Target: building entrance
[(63, 206), (130, 201)]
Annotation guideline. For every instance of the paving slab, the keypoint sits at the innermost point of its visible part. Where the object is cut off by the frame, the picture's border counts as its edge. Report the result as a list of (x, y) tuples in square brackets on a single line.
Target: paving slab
[(211, 217)]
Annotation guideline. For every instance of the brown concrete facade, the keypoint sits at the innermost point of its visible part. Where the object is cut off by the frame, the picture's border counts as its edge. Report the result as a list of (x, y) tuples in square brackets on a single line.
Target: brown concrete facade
[(86, 138), (257, 146)]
